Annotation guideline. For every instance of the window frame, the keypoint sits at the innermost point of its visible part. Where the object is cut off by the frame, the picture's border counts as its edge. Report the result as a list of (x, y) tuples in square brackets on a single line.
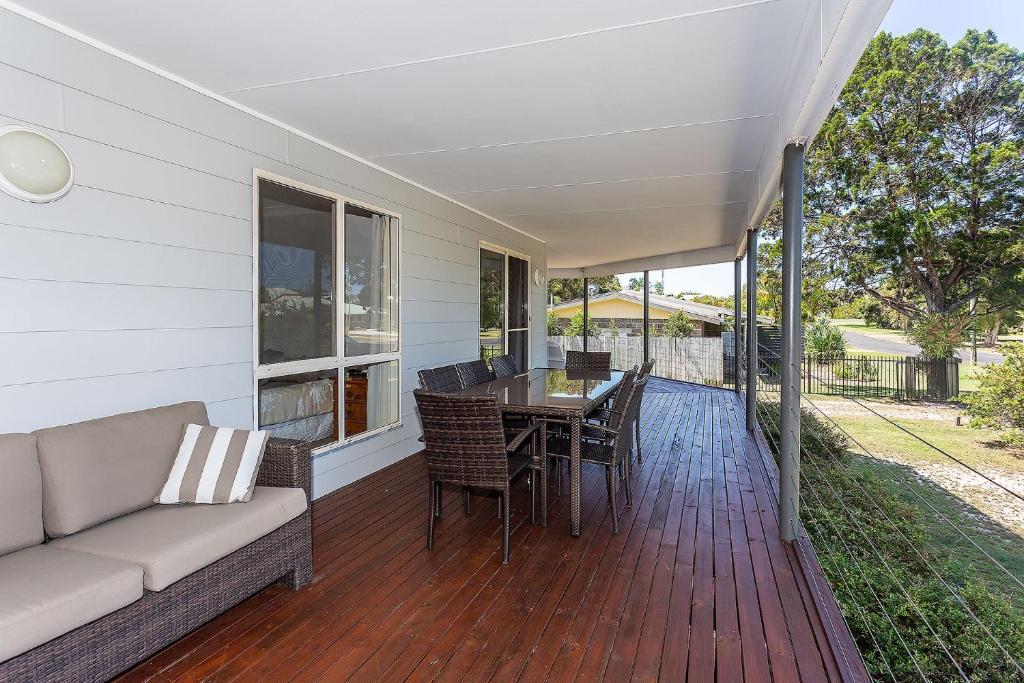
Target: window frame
[(339, 361), (507, 252)]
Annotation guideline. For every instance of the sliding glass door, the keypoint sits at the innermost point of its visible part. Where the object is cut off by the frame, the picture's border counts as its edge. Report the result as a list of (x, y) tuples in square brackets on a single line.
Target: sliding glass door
[(518, 338), (504, 305)]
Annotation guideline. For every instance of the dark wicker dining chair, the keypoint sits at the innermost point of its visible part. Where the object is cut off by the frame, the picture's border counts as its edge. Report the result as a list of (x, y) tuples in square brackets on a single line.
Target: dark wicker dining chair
[(444, 379), (504, 366), (466, 446), (606, 444), (474, 372), (645, 371), (588, 360)]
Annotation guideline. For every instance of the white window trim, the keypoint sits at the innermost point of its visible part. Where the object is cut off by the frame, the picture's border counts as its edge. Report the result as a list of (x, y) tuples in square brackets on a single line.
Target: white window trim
[(339, 361), (506, 251)]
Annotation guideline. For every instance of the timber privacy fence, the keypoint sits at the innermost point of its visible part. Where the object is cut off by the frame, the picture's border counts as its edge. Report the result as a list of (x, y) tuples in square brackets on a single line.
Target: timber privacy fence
[(687, 359)]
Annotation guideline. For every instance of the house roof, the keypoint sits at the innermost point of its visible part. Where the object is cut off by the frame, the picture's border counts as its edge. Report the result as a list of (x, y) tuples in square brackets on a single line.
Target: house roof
[(626, 135), (670, 304)]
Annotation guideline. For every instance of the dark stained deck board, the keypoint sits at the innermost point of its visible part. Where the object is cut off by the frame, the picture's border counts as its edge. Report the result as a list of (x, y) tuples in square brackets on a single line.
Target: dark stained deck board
[(696, 586)]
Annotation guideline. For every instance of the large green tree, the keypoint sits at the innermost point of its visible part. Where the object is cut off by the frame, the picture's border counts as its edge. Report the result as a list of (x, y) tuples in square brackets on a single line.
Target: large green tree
[(915, 183)]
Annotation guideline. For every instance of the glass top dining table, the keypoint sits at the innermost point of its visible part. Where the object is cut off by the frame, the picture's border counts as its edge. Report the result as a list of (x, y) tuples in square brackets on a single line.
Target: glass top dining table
[(551, 393), (551, 389)]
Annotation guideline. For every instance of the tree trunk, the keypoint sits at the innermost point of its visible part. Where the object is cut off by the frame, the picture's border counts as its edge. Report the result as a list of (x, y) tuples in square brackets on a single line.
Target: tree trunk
[(992, 332), (938, 381)]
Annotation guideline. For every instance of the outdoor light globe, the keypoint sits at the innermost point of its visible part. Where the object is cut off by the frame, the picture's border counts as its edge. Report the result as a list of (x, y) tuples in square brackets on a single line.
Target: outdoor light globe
[(33, 167)]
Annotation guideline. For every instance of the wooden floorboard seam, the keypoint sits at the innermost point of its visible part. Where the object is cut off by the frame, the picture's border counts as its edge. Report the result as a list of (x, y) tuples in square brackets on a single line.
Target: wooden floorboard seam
[(696, 586)]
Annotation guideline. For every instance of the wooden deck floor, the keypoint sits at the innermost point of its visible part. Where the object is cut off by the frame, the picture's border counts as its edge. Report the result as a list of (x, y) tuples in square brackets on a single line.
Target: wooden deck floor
[(696, 586)]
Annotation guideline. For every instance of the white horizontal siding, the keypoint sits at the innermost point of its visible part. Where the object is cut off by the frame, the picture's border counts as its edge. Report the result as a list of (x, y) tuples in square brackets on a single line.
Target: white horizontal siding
[(135, 289), (117, 261), (30, 406), (134, 219)]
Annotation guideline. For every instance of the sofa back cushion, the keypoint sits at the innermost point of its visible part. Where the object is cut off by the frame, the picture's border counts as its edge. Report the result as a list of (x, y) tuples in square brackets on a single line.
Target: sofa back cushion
[(101, 469), (21, 493)]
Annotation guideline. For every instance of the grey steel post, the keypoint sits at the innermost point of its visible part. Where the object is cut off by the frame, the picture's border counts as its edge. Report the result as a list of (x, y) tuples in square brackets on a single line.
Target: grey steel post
[(792, 339), (737, 323), (586, 311), (751, 330), (647, 315)]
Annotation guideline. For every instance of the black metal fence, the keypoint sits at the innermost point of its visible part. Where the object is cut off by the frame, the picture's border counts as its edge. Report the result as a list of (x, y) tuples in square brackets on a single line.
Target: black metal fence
[(906, 378)]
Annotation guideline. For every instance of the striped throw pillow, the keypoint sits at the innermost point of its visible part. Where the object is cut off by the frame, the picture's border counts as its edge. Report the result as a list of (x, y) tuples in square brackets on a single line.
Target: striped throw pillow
[(214, 465)]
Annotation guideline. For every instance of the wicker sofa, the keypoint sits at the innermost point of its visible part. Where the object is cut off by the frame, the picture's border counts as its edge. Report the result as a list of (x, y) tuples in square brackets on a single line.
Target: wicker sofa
[(94, 577)]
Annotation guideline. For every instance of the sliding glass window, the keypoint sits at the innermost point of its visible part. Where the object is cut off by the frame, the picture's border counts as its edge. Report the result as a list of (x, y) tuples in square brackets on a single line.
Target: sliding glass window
[(327, 346)]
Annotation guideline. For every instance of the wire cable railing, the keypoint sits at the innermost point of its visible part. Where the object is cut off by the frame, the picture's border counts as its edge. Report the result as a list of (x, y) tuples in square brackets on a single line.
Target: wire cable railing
[(869, 549), (941, 451)]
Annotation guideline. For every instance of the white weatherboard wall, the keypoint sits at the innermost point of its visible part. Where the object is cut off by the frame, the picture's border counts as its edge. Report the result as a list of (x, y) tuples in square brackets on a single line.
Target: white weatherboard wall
[(135, 290)]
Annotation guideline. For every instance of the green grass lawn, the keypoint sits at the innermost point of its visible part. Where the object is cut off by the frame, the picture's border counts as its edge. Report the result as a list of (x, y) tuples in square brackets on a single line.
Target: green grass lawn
[(859, 326), (969, 377), (925, 478), (939, 510)]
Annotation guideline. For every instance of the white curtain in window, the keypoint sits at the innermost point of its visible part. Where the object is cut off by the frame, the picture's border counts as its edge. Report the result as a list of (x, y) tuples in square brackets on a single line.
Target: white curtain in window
[(382, 394)]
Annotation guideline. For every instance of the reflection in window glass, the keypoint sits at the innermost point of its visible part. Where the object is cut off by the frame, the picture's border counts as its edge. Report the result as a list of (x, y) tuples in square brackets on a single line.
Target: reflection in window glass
[(371, 397), (371, 282), (492, 304), (302, 407), (296, 278)]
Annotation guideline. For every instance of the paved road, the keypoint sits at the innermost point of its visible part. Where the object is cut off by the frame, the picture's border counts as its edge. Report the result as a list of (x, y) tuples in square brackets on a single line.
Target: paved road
[(875, 345)]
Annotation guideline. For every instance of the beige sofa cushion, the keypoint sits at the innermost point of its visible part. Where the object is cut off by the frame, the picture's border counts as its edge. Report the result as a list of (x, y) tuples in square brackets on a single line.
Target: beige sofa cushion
[(46, 591), (98, 470), (21, 493), (172, 541)]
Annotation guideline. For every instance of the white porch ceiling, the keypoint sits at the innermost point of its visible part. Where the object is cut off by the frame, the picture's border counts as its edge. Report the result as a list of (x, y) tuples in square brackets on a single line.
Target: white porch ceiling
[(639, 133)]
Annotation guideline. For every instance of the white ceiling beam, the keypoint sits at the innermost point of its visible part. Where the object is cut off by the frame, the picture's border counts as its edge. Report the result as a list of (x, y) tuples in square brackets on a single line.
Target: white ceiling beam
[(696, 257)]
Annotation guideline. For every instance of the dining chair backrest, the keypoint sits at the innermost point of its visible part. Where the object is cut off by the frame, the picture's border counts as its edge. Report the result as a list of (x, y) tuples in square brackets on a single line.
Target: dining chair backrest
[(474, 372), (504, 366), (464, 438), (622, 393), (646, 368), (588, 360), (624, 442), (444, 379)]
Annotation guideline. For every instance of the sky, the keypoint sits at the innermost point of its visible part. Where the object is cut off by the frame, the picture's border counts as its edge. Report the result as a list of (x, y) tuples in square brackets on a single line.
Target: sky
[(949, 18)]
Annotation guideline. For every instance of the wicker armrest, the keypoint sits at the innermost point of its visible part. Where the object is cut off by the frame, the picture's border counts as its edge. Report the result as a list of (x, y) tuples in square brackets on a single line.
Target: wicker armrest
[(286, 463), (516, 443)]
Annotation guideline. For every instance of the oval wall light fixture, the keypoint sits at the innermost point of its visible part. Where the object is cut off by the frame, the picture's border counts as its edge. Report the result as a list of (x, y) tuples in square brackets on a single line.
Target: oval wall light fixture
[(33, 167), (539, 277)]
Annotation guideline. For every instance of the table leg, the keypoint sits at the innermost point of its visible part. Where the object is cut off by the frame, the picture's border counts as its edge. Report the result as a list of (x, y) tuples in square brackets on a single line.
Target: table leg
[(575, 429)]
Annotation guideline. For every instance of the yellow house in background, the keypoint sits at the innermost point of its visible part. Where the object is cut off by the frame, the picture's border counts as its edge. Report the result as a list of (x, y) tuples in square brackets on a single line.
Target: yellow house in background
[(626, 308)]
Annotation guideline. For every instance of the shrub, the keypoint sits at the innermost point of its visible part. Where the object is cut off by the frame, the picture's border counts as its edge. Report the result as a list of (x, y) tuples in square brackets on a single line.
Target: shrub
[(850, 309), (554, 325), (678, 325), (856, 369), (877, 315), (824, 339), (575, 327), (874, 549), (999, 401), (818, 438), (939, 336)]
